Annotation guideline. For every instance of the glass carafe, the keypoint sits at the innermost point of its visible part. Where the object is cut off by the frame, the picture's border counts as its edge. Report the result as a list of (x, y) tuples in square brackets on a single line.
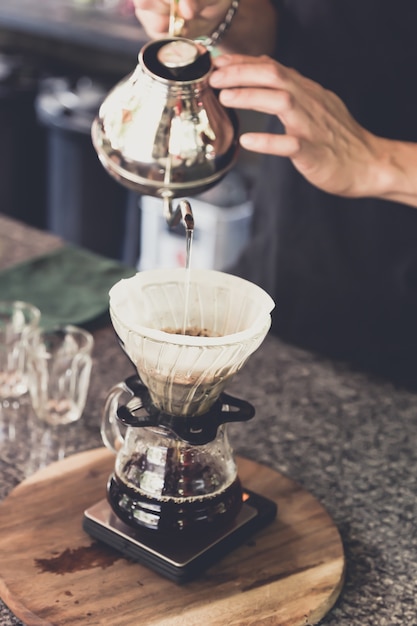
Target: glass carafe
[(162, 481)]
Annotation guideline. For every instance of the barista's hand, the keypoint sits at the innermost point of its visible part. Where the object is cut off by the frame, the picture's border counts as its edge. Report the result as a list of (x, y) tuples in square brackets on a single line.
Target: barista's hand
[(327, 146), (201, 17)]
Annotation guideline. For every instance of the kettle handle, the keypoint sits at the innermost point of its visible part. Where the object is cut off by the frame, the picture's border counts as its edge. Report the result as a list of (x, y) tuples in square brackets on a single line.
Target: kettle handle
[(110, 429)]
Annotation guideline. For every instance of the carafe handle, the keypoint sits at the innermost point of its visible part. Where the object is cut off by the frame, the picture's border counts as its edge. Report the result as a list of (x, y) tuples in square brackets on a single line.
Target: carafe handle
[(111, 430)]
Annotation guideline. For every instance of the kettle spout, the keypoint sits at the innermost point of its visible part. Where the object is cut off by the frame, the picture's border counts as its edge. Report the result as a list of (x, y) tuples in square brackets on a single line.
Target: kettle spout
[(183, 213)]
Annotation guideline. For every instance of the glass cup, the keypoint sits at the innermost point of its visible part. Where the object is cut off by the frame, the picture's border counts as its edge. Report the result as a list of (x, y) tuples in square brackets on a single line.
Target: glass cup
[(17, 320), (59, 373)]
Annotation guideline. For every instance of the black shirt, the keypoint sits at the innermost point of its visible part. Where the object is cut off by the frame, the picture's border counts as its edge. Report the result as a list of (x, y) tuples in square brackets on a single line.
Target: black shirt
[(343, 272)]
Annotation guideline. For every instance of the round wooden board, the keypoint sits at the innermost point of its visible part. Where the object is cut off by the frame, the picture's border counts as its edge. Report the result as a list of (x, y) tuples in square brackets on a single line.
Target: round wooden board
[(52, 572)]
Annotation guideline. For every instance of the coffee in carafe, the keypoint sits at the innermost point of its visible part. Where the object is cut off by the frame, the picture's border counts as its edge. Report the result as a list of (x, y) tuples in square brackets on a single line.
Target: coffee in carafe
[(182, 487)]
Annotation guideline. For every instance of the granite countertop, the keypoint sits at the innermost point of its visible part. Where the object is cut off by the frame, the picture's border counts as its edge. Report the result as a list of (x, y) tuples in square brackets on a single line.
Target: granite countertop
[(348, 438)]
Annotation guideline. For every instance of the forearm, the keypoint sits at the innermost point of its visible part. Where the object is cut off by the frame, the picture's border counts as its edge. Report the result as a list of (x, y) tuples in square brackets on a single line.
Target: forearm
[(325, 143), (393, 173)]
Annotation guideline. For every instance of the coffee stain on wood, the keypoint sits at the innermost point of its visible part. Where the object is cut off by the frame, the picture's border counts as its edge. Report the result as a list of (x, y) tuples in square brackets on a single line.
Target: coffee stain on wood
[(77, 559)]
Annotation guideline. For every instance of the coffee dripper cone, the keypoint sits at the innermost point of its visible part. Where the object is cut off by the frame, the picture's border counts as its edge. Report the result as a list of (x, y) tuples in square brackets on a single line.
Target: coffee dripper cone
[(185, 374)]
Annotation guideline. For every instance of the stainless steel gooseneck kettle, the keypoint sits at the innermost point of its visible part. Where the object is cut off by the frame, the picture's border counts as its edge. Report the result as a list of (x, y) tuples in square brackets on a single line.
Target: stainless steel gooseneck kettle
[(162, 130)]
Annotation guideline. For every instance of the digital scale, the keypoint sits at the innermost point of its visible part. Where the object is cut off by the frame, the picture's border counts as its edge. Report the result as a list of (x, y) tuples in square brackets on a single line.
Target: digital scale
[(182, 559)]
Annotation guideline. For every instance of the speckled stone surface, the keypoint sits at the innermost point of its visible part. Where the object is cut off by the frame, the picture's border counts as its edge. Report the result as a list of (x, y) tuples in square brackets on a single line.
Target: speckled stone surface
[(348, 438)]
